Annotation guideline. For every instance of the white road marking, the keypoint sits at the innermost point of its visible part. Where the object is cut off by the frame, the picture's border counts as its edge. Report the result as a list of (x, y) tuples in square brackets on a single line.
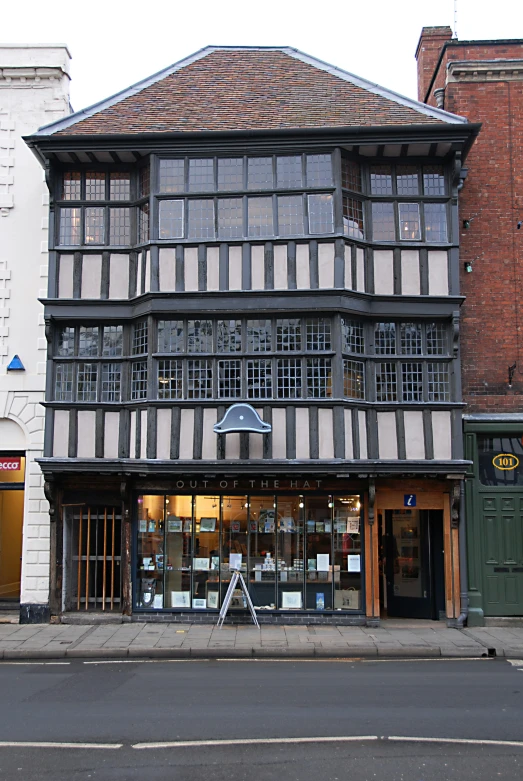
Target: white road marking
[(515, 662), (470, 741), (253, 741), (41, 664), (44, 744)]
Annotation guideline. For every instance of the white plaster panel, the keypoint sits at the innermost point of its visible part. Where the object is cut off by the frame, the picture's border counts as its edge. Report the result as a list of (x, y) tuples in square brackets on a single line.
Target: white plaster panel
[(383, 272), (213, 268), (303, 275), (258, 267), (442, 435), (348, 269), (91, 276), (147, 271), (410, 279), (143, 434), (119, 276), (302, 433), (362, 425), (325, 433), (86, 433), (132, 435), (61, 433), (65, 278), (167, 265), (111, 429), (326, 265), (279, 438), (232, 446), (360, 270), (186, 434), (210, 417), (163, 434), (414, 439), (349, 447), (387, 436), (280, 267), (235, 268), (256, 442), (191, 268), (438, 273), (139, 275)]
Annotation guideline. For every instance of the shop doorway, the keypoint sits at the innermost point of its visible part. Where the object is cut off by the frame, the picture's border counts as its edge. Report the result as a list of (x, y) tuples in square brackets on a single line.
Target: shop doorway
[(413, 563), (12, 469)]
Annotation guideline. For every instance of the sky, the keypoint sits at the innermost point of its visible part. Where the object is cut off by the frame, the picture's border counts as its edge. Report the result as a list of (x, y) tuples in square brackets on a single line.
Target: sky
[(115, 43)]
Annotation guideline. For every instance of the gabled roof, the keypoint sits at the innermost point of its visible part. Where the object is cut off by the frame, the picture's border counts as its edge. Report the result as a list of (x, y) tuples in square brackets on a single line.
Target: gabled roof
[(248, 88)]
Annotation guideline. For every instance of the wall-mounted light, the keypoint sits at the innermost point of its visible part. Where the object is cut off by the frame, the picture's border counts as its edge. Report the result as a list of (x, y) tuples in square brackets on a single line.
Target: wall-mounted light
[(466, 222), (520, 223), (301, 504), (468, 266)]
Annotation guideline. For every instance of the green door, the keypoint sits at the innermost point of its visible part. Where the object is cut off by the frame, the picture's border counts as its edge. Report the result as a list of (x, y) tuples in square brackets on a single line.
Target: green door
[(502, 543)]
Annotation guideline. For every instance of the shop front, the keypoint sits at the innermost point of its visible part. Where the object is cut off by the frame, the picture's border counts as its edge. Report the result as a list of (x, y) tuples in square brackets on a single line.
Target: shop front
[(12, 474)]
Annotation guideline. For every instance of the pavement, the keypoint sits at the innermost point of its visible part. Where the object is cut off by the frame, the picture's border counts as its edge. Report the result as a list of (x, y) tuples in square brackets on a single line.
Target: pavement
[(394, 639)]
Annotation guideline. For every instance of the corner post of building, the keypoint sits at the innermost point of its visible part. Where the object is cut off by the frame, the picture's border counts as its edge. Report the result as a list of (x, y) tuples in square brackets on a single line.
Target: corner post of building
[(451, 502), (372, 589), (56, 545), (126, 560)]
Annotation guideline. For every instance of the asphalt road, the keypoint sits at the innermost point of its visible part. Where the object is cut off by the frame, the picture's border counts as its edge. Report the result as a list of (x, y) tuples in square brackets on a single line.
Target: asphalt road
[(121, 711)]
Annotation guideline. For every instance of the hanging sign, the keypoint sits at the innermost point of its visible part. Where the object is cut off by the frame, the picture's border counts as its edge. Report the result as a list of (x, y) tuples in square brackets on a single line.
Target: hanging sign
[(10, 464), (505, 462)]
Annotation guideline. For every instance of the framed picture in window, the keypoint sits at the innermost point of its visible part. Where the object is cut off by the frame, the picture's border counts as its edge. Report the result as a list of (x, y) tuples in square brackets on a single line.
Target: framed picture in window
[(212, 600), (291, 600), (174, 524), (207, 524)]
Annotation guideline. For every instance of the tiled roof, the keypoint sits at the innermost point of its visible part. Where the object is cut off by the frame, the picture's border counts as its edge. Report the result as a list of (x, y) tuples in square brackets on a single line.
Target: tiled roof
[(227, 89)]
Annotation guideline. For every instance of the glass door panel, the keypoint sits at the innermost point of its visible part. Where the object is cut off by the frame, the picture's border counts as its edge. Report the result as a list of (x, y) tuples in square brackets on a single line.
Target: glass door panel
[(407, 564), (290, 552), (150, 558), (233, 543), (262, 551), (178, 551), (347, 553), (11, 522), (319, 559), (206, 560)]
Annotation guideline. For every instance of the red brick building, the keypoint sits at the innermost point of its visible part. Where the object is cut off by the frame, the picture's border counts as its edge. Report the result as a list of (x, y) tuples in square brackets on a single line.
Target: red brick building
[(483, 81)]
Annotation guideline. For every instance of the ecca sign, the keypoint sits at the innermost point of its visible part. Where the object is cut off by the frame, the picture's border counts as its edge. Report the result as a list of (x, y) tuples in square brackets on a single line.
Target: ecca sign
[(10, 464)]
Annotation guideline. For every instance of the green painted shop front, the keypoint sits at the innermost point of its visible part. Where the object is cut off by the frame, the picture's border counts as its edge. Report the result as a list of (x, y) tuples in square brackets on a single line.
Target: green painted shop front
[(494, 518)]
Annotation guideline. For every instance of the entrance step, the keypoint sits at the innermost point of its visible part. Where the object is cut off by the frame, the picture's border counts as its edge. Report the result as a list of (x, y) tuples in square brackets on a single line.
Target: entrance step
[(502, 621), (94, 617)]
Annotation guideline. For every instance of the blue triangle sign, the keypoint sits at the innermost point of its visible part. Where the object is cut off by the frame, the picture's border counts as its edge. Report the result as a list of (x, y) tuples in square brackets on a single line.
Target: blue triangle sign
[(16, 365)]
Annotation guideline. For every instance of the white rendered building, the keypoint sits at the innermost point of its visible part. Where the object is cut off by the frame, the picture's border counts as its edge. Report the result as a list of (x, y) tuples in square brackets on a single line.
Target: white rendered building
[(34, 90)]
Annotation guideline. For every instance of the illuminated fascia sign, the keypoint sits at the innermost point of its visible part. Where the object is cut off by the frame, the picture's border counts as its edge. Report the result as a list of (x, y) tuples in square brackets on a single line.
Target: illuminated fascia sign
[(505, 461), (242, 417), (10, 464)]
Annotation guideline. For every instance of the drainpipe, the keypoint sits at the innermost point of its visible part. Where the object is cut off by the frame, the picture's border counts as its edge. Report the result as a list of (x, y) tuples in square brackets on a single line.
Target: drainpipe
[(463, 578)]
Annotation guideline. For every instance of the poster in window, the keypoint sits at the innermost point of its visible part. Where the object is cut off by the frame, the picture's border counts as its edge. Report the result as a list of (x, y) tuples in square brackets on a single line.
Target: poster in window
[(207, 524)]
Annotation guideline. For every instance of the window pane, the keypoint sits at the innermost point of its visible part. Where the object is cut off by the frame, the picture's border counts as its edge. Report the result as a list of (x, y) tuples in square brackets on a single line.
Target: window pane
[(386, 382), (288, 334), (230, 218), (112, 340), (433, 180), (65, 341), (319, 171), (410, 336), (229, 379), (383, 222), (172, 174), (86, 381), (288, 171), (289, 378), (412, 382), (171, 219), (321, 217), (290, 215), (319, 381), (199, 336), (439, 382), (170, 336), (381, 180), (230, 173), (144, 187), (94, 186), (435, 222), (436, 339), (140, 338), (119, 226), (385, 338), (201, 219), (259, 335), (229, 336), (139, 380), (199, 379), (353, 217), (352, 336), (94, 225), (350, 175), (143, 223), (119, 186), (410, 229), (407, 180), (170, 380), (353, 379), (71, 186), (318, 331), (261, 221), (70, 226), (111, 381), (201, 176), (259, 379), (88, 341), (259, 173), (63, 386)]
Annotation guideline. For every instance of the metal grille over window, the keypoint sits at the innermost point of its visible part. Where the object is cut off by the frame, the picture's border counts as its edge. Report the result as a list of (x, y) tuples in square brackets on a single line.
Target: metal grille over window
[(171, 215), (353, 217), (321, 214), (386, 382), (140, 338), (139, 380), (170, 380), (119, 186), (290, 215), (353, 379), (199, 336), (94, 186), (410, 336), (201, 219), (385, 338), (201, 176), (353, 336), (289, 171), (259, 379), (319, 381), (439, 382), (260, 217), (63, 388), (87, 378), (230, 173), (318, 332), (259, 335), (112, 340), (111, 382), (199, 379), (412, 381), (230, 218), (172, 176), (288, 335), (170, 336), (229, 379), (319, 171), (88, 340), (289, 378), (72, 186), (229, 336), (259, 173)]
